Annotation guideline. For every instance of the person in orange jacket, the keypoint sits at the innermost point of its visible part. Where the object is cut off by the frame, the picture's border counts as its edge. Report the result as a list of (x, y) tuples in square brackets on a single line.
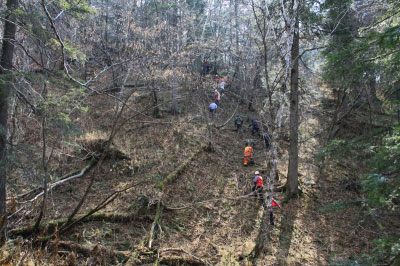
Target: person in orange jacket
[(248, 154)]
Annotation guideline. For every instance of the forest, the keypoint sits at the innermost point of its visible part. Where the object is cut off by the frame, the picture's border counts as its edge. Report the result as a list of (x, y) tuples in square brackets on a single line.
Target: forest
[(200, 132)]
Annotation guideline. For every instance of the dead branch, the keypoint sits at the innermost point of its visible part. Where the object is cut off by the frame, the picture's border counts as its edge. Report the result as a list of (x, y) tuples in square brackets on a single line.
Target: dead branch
[(230, 118), (82, 173), (155, 222), (35, 190), (67, 178)]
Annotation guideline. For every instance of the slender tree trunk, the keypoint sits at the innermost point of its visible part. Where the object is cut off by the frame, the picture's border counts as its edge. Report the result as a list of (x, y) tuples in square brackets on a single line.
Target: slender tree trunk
[(262, 236), (45, 178), (292, 180), (5, 88), (156, 110), (175, 95)]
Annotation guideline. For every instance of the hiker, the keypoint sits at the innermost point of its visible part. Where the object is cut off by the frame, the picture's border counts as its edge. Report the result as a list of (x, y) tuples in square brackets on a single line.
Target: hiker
[(248, 155), (238, 123), (258, 187), (217, 97), (255, 128), (213, 109), (267, 140), (274, 205), (222, 85), (206, 68)]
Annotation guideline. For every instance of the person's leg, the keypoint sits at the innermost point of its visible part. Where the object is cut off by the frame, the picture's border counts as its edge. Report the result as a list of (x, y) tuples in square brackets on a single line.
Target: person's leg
[(254, 191), (260, 193), (271, 217)]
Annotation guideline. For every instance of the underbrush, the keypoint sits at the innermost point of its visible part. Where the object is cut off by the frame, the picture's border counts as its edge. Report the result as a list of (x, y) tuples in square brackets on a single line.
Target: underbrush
[(373, 159)]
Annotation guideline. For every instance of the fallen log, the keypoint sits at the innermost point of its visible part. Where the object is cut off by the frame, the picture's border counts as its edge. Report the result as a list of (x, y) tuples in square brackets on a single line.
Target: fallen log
[(100, 206), (193, 261), (171, 177), (155, 223), (180, 260), (88, 250), (50, 225)]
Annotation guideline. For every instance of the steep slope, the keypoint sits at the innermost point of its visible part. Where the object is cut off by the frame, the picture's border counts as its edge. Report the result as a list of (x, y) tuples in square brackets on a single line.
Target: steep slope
[(204, 214)]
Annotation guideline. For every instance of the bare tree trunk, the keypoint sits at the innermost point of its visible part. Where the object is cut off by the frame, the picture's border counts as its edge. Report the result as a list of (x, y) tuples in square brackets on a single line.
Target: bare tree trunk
[(156, 110), (175, 94), (292, 180), (5, 66), (372, 90), (45, 178), (264, 227)]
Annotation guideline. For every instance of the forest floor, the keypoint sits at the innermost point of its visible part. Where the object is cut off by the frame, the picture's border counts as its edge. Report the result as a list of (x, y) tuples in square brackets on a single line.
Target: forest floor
[(205, 215)]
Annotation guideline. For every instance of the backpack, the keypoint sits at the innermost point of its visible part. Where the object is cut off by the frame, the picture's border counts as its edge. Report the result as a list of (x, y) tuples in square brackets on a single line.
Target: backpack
[(238, 120), (250, 142)]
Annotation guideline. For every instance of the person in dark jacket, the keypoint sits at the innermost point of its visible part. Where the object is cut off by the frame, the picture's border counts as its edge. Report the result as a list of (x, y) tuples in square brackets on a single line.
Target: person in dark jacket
[(255, 128), (267, 140), (238, 123)]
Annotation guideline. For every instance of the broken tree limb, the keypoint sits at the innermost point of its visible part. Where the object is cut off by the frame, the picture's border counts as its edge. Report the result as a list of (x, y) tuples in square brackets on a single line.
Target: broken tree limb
[(155, 222), (82, 173), (35, 190), (66, 178), (230, 118)]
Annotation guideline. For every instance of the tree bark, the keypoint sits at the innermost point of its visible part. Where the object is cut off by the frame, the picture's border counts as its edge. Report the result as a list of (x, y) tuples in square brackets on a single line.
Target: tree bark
[(7, 55), (292, 180), (175, 95)]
